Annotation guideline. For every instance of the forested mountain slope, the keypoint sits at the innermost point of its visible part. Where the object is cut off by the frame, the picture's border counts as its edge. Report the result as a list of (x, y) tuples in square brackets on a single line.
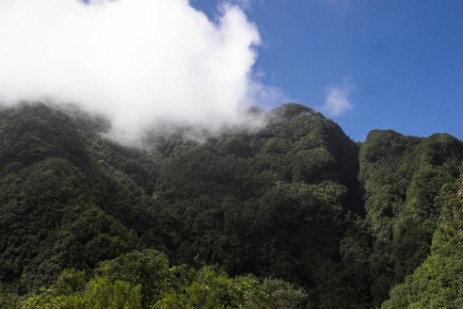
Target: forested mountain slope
[(296, 200), (277, 202), (437, 282), (60, 205), (402, 176)]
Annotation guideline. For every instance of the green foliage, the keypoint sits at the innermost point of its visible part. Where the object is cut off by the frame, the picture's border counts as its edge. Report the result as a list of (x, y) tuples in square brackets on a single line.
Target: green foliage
[(437, 282), (276, 202), (295, 200), (142, 279), (8, 300), (282, 294), (69, 281), (402, 176), (148, 268), (214, 289), (100, 293), (59, 206)]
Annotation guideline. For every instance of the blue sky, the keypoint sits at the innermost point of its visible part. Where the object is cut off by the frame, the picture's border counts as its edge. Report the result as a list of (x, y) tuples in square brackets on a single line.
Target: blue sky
[(368, 64), (400, 61)]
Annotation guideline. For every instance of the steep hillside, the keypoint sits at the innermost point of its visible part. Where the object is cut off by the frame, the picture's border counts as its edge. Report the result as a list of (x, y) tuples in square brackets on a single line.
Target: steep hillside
[(437, 282), (402, 176), (276, 202), (59, 206), (295, 200)]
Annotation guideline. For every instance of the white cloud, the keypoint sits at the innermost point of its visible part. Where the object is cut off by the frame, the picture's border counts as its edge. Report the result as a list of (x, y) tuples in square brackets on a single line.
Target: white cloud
[(337, 100), (136, 61)]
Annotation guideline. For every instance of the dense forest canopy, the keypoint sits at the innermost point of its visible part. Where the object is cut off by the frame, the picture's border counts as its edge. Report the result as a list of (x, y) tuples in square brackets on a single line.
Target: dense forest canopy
[(293, 215)]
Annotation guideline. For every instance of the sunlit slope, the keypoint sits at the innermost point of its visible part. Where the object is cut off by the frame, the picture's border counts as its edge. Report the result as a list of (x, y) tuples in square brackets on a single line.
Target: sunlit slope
[(296, 199), (402, 176), (437, 282)]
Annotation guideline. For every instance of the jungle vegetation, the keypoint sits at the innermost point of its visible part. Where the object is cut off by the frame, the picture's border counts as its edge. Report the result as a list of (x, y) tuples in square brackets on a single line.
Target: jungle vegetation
[(293, 215)]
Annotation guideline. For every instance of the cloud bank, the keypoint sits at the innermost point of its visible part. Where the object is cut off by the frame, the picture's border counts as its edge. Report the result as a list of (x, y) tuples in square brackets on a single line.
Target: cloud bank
[(337, 100), (135, 61)]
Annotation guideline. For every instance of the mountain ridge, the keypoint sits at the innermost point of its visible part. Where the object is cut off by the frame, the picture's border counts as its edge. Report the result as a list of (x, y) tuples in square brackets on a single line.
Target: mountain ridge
[(297, 200)]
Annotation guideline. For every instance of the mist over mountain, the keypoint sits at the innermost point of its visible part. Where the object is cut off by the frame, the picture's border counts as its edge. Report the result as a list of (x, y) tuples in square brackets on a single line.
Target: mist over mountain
[(136, 62), (141, 165), (293, 213)]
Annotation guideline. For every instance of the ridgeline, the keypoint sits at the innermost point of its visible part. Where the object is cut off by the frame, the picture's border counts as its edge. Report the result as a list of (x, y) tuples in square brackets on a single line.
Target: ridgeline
[(293, 215)]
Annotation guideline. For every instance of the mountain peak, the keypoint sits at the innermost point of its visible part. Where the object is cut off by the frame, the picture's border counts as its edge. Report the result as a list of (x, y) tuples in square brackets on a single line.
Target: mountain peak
[(291, 110)]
